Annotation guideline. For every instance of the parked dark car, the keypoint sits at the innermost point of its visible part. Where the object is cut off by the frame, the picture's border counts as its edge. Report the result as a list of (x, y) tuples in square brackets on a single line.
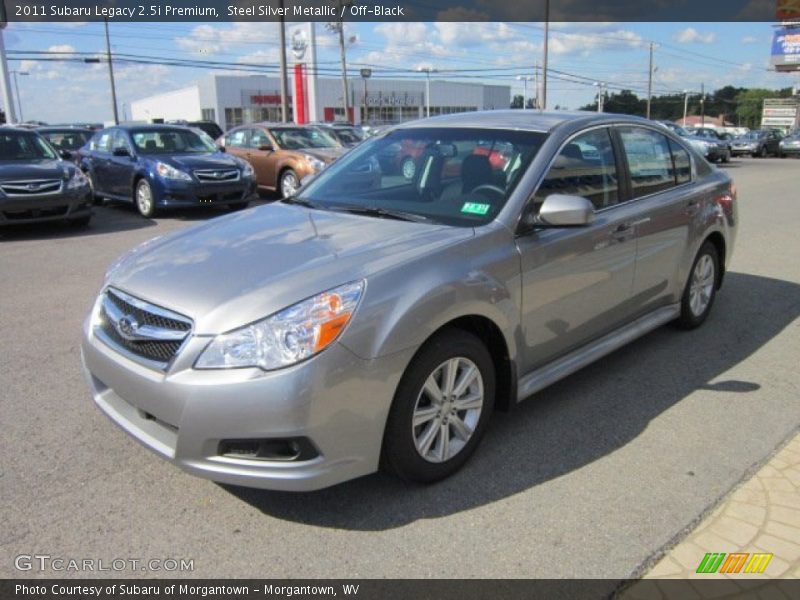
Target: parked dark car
[(757, 143), (790, 145), (161, 166), (712, 148), (36, 184), (209, 127), (66, 140), (347, 135)]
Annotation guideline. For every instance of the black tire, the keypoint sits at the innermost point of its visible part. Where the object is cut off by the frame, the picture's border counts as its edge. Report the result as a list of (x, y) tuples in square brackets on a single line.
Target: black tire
[(147, 210), (80, 222), (726, 158), (96, 200), (400, 454), (690, 317), (287, 176), (238, 206)]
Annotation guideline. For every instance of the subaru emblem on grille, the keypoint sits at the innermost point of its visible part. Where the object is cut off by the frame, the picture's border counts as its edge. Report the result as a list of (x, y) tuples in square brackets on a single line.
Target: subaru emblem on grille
[(33, 186), (219, 174), (127, 327)]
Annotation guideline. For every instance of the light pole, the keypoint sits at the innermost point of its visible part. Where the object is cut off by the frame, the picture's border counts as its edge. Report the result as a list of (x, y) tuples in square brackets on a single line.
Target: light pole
[(524, 79), (601, 87), (427, 71), (546, 47), (685, 105), (16, 91), (338, 27)]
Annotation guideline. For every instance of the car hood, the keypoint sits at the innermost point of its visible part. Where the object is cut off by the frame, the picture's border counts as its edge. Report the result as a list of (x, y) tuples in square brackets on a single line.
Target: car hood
[(245, 266), (212, 160), (326, 155), (34, 169)]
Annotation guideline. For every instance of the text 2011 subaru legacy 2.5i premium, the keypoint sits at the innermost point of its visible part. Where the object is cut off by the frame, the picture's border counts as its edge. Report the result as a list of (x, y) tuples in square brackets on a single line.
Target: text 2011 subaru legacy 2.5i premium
[(375, 320)]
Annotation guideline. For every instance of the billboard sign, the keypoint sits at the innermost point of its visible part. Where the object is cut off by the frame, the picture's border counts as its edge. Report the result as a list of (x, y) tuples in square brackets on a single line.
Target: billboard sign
[(786, 49)]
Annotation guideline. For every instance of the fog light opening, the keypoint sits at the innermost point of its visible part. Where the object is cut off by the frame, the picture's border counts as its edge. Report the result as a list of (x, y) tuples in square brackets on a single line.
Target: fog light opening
[(290, 449)]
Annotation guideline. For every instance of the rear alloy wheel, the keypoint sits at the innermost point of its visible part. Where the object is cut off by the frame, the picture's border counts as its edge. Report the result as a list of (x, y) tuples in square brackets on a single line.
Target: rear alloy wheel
[(144, 199), (289, 183), (441, 409), (701, 289)]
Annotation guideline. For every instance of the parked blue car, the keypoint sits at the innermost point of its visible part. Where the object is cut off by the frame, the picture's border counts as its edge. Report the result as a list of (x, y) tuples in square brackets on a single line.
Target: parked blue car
[(165, 166)]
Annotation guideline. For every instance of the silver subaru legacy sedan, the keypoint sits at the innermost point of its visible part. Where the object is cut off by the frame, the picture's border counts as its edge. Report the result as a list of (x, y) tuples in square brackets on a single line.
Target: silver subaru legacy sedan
[(439, 271)]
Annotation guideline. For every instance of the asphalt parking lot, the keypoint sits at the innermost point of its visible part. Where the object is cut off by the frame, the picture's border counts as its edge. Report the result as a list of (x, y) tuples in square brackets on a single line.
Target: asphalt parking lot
[(590, 478)]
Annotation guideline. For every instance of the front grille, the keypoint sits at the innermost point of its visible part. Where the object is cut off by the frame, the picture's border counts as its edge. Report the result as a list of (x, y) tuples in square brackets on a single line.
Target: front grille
[(35, 213), (142, 329), (217, 175), (31, 187)]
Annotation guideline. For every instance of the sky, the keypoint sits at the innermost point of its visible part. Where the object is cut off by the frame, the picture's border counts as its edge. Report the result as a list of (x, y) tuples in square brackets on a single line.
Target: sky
[(686, 56)]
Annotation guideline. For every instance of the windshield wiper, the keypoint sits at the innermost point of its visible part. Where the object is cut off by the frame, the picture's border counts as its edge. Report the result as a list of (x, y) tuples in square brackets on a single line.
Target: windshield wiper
[(303, 202), (382, 213)]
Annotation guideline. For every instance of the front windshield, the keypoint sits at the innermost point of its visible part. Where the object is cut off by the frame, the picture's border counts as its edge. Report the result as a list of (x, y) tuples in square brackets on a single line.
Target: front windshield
[(459, 177), (299, 138), (753, 135), (67, 139), (15, 145), (171, 141)]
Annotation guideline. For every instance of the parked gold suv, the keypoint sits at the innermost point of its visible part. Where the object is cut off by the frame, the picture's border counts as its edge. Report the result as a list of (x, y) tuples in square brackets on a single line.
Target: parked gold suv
[(282, 154)]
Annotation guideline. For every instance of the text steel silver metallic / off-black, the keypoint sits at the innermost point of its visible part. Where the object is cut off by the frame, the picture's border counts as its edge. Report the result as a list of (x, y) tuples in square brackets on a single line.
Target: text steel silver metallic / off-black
[(376, 319)]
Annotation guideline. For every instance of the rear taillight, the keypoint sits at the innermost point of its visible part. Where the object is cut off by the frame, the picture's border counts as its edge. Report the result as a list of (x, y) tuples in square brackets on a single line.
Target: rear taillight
[(726, 200)]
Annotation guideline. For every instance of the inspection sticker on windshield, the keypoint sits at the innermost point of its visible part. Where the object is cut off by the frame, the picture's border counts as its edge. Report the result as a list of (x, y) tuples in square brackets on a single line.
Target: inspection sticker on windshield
[(475, 208)]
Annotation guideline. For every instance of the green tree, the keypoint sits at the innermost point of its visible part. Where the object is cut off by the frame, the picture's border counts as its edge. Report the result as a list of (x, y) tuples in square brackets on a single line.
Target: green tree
[(749, 104), (516, 101)]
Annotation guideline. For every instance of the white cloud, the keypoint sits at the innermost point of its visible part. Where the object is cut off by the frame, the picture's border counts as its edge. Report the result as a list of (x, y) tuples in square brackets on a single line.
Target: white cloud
[(690, 35), (61, 48)]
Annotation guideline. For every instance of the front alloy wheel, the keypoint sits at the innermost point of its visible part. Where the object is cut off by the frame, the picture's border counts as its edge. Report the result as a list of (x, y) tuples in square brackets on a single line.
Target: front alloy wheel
[(448, 409), (441, 408), (144, 199), (289, 183)]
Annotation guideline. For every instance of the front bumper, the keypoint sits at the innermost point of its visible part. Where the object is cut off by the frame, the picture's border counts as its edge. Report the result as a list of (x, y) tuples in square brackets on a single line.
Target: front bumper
[(183, 194), (336, 400), (790, 150), (743, 150), (65, 205)]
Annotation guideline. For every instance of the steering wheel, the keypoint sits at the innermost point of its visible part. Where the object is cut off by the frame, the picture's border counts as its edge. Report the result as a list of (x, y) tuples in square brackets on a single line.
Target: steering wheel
[(491, 188)]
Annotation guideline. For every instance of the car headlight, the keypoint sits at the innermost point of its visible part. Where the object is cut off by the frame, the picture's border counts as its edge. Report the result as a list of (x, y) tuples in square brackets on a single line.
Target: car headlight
[(287, 337), (314, 162), (169, 172), (78, 180), (247, 169)]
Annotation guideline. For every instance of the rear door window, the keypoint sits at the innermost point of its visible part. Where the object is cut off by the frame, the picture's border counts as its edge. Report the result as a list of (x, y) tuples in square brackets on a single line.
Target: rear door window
[(649, 160)]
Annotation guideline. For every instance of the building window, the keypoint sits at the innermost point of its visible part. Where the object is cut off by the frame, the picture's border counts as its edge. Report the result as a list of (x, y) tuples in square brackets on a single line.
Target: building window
[(208, 114), (233, 117)]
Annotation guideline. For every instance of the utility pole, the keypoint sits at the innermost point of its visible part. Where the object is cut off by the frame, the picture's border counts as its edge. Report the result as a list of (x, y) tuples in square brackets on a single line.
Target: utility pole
[(284, 74), (111, 74), (16, 88), (536, 85), (428, 71), (5, 83), (685, 105), (703, 104), (650, 82), (546, 44), (338, 27)]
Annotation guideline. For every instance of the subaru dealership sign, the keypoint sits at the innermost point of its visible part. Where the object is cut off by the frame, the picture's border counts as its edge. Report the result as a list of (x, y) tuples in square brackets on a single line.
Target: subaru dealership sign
[(786, 49)]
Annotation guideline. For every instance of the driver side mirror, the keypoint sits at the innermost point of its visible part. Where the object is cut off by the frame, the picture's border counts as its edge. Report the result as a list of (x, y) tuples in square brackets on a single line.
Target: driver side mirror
[(265, 147), (221, 148), (562, 210), (65, 154)]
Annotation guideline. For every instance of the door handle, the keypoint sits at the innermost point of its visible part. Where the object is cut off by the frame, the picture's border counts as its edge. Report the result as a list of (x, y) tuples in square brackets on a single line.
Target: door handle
[(624, 232)]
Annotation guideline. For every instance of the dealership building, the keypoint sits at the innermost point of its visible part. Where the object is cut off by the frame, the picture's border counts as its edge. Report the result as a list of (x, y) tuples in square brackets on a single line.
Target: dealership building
[(232, 100)]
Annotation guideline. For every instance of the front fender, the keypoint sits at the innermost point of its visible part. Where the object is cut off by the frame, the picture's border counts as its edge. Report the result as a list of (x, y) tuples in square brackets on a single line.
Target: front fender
[(406, 305)]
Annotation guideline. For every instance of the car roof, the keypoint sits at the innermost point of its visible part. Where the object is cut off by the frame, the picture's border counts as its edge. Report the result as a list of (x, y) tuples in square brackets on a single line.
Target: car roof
[(153, 126), (526, 120), (65, 128)]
